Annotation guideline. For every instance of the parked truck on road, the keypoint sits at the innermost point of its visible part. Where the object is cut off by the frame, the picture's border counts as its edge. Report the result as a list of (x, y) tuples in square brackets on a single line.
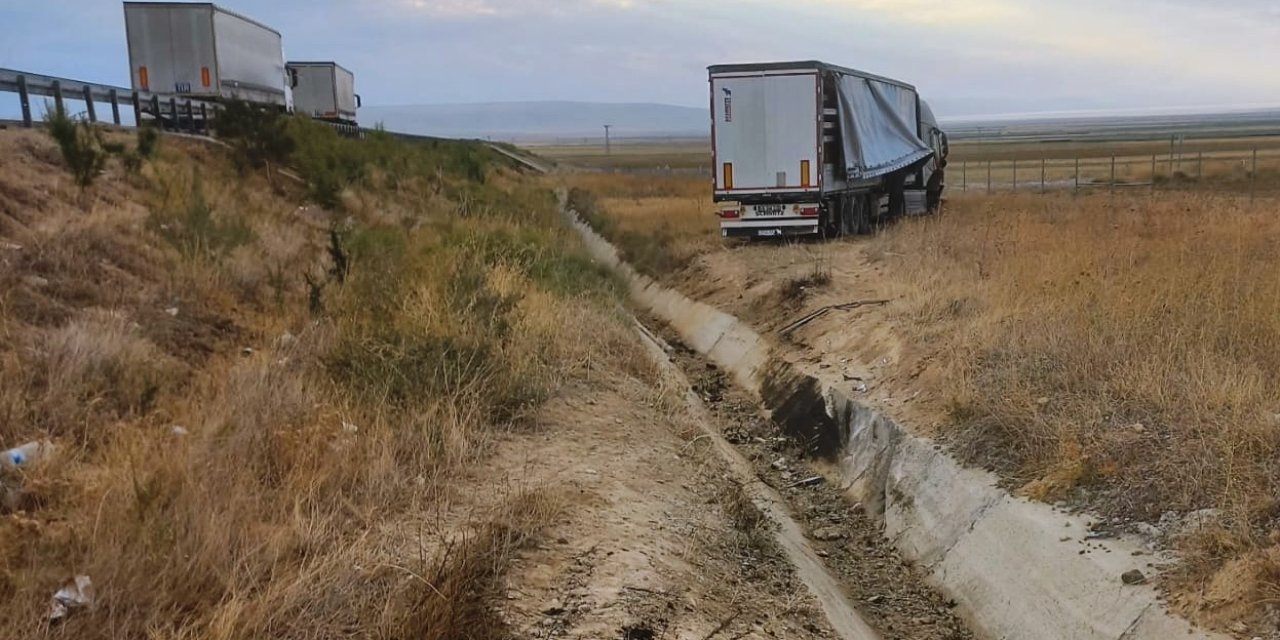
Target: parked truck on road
[(200, 50), (804, 148), (324, 90)]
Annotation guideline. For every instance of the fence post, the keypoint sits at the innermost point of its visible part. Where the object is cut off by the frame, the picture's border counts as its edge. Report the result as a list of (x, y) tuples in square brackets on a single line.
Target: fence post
[(1199, 166), (115, 107), (1253, 177), (191, 116), (1042, 184), (964, 176), (1153, 174), (1015, 175), (88, 104), (204, 116), (57, 98), (25, 98), (137, 109), (988, 177), (1113, 174), (155, 110), (1077, 173), (173, 109)]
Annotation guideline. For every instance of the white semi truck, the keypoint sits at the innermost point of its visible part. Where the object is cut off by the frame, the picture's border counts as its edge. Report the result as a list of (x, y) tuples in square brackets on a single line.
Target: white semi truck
[(200, 50), (807, 148), (324, 90)]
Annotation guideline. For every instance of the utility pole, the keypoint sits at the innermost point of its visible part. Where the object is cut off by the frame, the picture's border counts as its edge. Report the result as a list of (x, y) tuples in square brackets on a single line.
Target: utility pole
[(608, 149)]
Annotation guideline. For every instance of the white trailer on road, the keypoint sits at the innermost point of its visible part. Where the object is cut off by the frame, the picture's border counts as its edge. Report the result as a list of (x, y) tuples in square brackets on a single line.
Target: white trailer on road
[(200, 50), (807, 147), (324, 90)]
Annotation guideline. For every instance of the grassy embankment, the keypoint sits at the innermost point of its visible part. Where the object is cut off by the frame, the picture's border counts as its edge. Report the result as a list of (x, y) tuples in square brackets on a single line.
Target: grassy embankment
[(257, 406), (1120, 351)]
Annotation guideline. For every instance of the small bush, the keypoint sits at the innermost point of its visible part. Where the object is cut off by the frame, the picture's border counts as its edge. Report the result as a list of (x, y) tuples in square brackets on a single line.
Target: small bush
[(258, 137), (81, 145), (197, 229), (148, 142)]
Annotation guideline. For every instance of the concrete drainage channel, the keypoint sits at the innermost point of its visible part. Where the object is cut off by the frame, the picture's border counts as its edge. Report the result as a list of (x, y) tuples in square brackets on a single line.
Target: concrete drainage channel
[(1003, 560)]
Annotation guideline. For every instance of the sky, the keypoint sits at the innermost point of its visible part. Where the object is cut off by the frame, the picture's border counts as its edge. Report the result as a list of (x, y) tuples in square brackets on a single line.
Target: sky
[(968, 57)]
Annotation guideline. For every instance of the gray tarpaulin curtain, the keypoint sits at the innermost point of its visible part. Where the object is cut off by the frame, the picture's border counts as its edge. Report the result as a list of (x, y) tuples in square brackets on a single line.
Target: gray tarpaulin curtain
[(879, 124)]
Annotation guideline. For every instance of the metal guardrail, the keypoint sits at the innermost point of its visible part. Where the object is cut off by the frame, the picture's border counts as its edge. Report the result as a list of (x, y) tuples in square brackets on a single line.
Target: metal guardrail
[(186, 114)]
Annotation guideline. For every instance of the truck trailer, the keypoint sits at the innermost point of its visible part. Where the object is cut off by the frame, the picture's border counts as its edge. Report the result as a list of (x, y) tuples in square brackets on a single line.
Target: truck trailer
[(202, 51), (805, 148), (324, 90)]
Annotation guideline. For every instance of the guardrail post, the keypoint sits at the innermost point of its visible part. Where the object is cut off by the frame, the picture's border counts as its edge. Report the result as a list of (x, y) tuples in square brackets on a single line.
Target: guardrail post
[(1042, 182), (137, 109), (115, 107), (173, 109), (191, 116), (155, 110), (988, 177), (88, 104), (57, 98), (25, 98), (1113, 174), (1253, 177), (1199, 166), (964, 176), (1153, 175), (204, 116), (1077, 173), (1015, 176)]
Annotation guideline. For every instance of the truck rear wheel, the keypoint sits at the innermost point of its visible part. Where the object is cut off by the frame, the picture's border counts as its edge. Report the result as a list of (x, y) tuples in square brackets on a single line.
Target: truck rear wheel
[(860, 215)]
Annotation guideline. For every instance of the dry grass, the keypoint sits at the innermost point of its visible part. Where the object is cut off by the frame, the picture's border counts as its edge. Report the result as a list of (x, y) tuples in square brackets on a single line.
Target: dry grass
[(242, 454), (659, 223), (1119, 351)]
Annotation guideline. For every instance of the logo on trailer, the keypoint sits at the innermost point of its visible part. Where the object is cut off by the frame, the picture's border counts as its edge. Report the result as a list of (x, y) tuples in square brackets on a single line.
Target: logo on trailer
[(728, 105), (182, 87)]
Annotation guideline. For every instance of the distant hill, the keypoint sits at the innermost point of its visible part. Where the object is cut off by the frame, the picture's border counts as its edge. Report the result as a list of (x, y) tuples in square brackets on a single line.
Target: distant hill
[(539, 120)]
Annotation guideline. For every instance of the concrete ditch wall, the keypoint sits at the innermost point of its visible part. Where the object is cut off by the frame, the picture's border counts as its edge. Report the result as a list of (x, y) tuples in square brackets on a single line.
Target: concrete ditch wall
[(1005, 561)]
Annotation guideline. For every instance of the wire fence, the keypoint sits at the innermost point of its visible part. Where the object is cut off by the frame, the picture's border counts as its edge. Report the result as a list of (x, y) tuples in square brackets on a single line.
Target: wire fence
[(1255, 173)]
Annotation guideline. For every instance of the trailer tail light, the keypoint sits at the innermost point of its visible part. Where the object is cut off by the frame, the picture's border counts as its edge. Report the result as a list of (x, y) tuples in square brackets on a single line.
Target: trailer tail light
[(143, 79), (804, 174), (731, 212), (204, 77), (809, 212), (728, 175)]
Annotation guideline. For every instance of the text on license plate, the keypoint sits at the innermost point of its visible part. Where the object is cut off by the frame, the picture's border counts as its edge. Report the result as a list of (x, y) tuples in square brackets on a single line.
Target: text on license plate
[(768, 209), (768, 233)]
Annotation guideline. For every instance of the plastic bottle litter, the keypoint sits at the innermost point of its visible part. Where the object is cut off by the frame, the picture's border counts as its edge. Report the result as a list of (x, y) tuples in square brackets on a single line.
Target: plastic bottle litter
[(71, 598), (26, 454)]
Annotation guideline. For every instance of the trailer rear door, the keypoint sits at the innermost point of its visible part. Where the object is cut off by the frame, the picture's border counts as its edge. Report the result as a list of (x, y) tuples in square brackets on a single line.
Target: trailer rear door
[(765, 132)]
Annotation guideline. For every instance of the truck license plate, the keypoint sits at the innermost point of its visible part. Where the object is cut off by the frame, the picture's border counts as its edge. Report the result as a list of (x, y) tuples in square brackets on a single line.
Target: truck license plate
[(769, 209), (768, 233)]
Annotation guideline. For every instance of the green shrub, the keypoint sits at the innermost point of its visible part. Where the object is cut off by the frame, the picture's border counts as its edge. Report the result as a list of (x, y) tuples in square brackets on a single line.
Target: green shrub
[(197, 229), (81, 145), (148, 142), (258, 137)]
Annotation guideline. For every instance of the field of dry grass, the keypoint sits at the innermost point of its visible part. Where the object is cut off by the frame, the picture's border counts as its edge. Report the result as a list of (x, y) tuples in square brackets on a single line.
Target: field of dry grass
[(1114, 351), (256, 404), (660, 224), (1119, 351)]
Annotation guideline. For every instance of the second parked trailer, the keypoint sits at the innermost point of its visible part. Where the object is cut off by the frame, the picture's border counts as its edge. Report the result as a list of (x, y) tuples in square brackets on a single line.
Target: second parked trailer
[(324, 90)]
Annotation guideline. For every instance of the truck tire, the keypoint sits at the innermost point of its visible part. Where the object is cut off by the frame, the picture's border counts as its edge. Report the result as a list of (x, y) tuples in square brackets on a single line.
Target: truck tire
[(897, 197), (933, 194), (862, 207)]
